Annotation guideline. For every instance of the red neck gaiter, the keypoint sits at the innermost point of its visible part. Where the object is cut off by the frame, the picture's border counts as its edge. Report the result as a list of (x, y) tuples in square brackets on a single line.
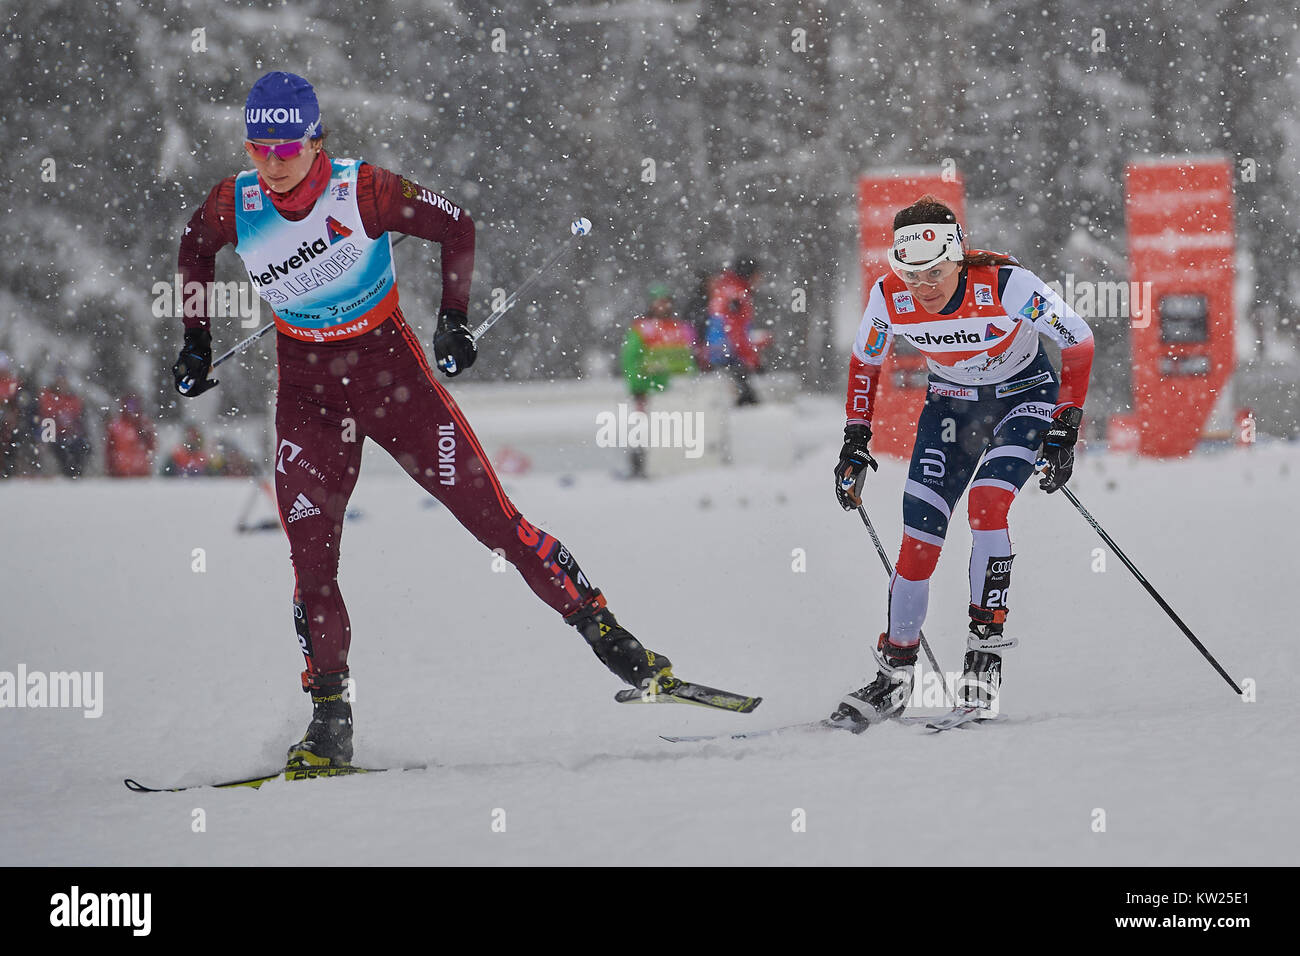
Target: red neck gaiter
[(303, 196)]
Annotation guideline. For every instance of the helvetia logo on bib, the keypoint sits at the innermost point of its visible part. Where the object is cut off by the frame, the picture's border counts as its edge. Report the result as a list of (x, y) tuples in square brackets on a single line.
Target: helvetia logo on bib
[(960, 337), (993, 332), (336, 230)]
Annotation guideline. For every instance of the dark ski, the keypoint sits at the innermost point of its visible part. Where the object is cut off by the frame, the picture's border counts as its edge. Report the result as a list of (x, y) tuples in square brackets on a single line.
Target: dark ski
[(957, 717), (809, 726), (253, 783), (674, 691)]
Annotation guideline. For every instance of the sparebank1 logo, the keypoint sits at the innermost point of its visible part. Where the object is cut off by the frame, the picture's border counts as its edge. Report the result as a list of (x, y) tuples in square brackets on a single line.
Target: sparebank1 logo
[(336, 230), (280, 458)]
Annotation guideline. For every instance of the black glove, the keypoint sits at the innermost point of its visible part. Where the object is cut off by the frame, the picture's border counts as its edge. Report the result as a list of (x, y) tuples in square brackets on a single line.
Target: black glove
[(854, 461), (1056, 459), (453, 346), (191, 369)]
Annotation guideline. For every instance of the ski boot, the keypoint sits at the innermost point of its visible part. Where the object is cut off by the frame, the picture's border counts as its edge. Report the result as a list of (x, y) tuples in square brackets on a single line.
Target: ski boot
[(328, 740), (618, 650), (884, 697), (981, 677)]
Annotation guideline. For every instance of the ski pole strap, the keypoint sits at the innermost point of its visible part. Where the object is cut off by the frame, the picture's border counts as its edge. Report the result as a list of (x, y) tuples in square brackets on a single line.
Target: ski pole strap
[(1150, 590)]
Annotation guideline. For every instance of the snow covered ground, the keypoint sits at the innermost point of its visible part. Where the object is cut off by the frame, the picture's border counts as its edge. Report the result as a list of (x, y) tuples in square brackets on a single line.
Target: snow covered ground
[(461, 668)]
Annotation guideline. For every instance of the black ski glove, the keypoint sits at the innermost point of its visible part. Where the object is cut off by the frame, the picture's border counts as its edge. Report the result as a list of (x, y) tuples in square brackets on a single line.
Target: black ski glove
[(191, 369), (1056, 459), (855, 459), (453, 346)]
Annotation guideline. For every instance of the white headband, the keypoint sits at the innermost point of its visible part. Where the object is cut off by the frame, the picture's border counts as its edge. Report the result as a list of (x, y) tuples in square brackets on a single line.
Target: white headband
[(924, 246)]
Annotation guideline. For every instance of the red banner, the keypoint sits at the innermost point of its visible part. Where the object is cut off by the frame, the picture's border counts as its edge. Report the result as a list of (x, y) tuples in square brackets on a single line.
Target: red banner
[(903, 381), (1181, 240)]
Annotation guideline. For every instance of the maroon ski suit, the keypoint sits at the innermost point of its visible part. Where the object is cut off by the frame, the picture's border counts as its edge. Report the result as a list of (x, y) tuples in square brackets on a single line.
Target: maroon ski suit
[(378, 385)]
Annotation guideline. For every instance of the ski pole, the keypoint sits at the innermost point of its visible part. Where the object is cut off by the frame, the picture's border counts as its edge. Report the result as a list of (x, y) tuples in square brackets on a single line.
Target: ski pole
[(889, 569), (579, 227), (1150, 590), (240, 346)]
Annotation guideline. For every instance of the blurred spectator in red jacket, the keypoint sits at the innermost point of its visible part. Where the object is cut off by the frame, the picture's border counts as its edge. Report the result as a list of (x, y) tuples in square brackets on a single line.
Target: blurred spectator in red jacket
[(59, 404), (189, 457), (728, 341), (129, 442)]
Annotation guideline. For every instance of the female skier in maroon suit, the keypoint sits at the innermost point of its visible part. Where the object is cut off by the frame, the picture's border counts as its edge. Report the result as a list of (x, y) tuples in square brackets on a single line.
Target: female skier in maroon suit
[(314, 235)]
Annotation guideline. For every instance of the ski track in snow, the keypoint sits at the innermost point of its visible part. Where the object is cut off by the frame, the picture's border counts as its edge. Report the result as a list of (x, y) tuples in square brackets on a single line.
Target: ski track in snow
[(462, 668)]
